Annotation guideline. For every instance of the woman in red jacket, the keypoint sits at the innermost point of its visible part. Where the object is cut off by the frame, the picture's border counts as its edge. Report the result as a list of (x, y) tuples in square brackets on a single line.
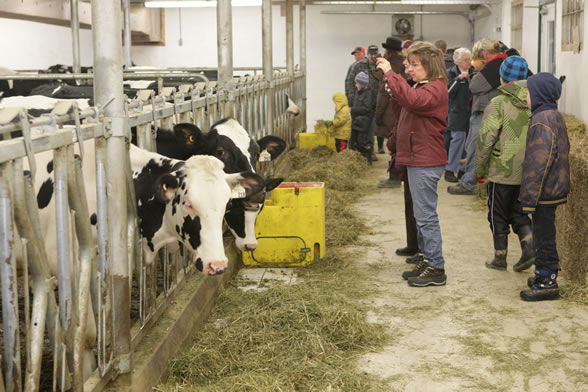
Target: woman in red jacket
[(420, 147)]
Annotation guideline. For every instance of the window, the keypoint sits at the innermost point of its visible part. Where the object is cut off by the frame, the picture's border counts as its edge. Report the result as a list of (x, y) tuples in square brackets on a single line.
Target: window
[(572, 25), (516, 25)]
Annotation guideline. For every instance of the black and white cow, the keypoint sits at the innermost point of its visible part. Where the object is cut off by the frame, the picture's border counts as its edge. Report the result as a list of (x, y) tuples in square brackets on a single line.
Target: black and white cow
[(176, 201), (228, 141)]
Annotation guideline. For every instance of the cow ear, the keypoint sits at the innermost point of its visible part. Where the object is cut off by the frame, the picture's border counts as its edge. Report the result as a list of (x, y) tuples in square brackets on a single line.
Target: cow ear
[(272, 183), (189, 135), (273, 144), (165, 187), (251, 182)]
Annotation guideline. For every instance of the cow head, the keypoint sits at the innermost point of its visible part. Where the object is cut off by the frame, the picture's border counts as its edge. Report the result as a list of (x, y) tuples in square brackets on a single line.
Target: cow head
[(242, 214), (186, 201), (228, 141)]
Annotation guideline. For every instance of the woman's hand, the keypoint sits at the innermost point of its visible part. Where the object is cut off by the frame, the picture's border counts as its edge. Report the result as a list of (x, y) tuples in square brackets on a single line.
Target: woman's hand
[(464, 75), (383, 64)]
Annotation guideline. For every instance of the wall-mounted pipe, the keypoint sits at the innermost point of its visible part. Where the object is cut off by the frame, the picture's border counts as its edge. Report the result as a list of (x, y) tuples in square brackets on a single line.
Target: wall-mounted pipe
[(75, 35)]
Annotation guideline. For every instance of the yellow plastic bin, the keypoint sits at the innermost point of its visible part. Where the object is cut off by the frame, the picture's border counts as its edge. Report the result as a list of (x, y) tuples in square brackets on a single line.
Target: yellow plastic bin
[(291, 228), (307, 140)]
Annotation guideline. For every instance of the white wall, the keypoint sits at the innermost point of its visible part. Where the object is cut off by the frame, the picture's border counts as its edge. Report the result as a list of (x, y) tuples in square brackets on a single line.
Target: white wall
[(573, 66), (199, 48), (329, 42), (330, 39), (32, 45), (489, 23), (530, 33)]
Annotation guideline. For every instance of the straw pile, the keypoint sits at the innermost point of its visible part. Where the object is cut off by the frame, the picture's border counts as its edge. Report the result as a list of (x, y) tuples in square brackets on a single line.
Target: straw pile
[(342, 174), (572, 218)]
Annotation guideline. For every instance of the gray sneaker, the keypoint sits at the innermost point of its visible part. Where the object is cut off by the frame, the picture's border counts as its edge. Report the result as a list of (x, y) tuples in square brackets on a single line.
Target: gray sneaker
[(420, 266), (431, 276)]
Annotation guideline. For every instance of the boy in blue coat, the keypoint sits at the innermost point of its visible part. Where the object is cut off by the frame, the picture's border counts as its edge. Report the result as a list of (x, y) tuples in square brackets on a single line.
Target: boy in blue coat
[(546, 181)]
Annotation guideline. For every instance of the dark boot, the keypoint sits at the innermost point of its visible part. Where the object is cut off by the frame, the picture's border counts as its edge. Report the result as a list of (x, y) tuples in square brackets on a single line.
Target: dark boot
[(450, 177), (542, 287), (420, 266), (528, 251), (415, 258), (406, 251), (500, 246)]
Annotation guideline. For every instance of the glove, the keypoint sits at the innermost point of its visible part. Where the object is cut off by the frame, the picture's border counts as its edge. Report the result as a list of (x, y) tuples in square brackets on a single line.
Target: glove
[(328, 123), (480, 180)]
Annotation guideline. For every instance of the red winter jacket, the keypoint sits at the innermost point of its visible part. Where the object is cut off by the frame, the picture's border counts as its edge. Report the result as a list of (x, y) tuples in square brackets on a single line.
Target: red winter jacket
[(423, 119)]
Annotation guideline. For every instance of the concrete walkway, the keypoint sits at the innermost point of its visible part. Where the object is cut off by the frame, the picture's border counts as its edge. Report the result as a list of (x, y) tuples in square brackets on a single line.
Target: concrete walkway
[(474, 334)]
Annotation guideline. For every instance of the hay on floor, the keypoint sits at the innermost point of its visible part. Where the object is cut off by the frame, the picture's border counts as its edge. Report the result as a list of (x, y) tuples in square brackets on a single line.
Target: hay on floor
[(341, 173), (301, 337)]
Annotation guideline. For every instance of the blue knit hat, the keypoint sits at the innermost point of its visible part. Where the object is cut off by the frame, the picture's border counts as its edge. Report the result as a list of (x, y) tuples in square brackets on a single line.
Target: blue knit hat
[(514, 68), (362, 79)]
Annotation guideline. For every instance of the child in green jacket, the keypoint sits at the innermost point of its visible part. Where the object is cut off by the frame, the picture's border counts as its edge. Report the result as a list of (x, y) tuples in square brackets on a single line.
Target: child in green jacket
[(499, 160)]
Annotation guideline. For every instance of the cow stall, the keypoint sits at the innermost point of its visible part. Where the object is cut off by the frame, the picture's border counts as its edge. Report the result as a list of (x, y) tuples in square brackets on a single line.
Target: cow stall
[(45, 313)]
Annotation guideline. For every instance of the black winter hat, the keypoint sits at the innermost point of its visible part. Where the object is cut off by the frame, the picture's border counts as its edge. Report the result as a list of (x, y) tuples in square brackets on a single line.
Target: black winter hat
[(392, 43)]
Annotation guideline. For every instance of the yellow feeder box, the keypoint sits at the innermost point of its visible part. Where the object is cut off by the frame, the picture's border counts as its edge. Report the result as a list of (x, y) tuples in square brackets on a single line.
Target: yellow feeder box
[(291, 228), (307, 140)]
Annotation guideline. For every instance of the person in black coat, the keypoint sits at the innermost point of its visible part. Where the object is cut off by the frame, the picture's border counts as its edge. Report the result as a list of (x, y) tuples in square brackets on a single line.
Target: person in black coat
[(362, 116), (458, 118)]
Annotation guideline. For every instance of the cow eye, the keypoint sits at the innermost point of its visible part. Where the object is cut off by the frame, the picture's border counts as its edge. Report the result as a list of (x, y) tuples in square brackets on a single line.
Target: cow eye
[(191, 139), (220, 153)]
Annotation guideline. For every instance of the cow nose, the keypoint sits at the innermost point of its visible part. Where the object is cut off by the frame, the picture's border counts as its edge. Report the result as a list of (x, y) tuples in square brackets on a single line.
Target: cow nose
[(250, 246), (216, 267)]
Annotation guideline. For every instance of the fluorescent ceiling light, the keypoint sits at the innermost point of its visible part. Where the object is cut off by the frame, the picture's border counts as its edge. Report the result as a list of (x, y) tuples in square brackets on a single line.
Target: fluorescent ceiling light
[(199, 3)]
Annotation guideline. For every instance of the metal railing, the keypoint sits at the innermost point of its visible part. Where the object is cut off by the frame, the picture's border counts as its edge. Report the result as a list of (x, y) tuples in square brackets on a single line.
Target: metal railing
[(84, 289)]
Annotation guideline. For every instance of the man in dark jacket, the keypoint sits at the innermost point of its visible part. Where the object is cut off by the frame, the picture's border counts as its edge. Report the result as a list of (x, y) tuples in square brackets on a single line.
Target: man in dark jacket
[(546, 181), (368, 66), (442, 45), (458, 119), (359, 54), (484, 86)]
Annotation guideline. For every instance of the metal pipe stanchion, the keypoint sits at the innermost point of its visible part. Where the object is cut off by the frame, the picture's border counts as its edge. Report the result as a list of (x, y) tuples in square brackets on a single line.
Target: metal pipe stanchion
[(75, 34), (108, 85), (127, 33), (303, 62), (266, 17), (224, 28), (290, 62)]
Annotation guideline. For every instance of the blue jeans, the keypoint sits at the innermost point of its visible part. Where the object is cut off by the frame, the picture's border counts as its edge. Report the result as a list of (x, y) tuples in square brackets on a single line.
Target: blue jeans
[(423, 189), (469, 179), (456, 148)]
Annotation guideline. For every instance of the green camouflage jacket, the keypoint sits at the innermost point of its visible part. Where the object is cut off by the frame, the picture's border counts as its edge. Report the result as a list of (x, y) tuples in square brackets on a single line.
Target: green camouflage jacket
[(501, 144)]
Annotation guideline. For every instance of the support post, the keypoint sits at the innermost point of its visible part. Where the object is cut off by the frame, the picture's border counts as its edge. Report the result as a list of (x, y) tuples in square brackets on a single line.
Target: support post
[(75, 35), (268, 73), (224, 28), (303, 62), (290, 63), (127, 33), (108, 88)]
